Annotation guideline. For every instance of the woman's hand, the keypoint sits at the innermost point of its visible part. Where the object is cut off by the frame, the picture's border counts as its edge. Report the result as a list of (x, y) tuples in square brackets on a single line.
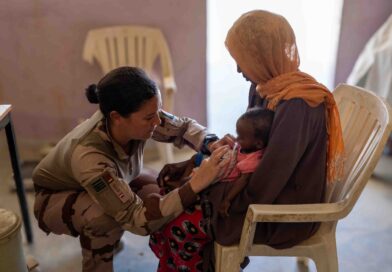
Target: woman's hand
[(173, 184), (171, 172), (209, 169), (228, 139)]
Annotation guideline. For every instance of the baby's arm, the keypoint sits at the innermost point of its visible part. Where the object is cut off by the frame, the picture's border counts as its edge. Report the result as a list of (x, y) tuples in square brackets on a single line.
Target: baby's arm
[(237, 186)]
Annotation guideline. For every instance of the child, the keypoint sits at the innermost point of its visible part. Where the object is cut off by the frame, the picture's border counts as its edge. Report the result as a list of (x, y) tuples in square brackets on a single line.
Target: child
[(253, 128)]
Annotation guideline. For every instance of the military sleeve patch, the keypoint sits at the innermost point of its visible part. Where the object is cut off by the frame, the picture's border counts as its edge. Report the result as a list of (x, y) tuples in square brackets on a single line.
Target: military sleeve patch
[(99, 185)]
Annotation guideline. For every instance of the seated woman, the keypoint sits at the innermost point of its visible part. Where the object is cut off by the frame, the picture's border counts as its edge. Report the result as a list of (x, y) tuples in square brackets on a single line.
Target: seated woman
[(83, 186), (304, 152)]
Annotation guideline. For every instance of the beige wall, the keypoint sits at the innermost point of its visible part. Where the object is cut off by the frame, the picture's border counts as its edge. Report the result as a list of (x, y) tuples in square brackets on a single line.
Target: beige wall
[(42, 73), (360, 20)]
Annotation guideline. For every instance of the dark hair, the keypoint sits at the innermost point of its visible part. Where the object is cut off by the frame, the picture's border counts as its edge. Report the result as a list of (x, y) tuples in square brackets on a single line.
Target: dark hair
[(124, 89), (261, 122)]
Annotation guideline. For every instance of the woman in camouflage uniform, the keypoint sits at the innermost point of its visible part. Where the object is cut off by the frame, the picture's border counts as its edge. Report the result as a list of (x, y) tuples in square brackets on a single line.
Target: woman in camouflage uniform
[(82, 184)]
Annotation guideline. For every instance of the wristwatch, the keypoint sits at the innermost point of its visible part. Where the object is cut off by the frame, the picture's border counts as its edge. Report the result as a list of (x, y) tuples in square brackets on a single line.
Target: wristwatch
[(208, 139)]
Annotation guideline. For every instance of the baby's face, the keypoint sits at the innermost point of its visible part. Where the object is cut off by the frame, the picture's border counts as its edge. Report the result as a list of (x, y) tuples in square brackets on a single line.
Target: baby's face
[(246, 136)]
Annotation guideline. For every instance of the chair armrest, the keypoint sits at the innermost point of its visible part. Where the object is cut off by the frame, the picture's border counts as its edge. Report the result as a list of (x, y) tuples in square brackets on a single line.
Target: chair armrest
[(297, 213), (169, 85)]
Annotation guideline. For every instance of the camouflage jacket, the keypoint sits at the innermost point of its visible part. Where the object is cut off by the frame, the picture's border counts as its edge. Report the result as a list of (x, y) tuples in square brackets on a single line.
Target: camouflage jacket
[(88, 159)]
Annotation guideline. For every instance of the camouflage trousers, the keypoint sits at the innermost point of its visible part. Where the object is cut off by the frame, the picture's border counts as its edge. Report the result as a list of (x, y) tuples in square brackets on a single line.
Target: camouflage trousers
[(75, 213)]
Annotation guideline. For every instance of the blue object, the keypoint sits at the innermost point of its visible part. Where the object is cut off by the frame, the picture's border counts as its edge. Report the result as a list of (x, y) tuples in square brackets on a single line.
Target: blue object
[(199, 158)]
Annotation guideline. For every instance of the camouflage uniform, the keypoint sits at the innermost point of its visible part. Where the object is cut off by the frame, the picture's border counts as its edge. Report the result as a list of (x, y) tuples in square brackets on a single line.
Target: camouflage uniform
[(82, 187)]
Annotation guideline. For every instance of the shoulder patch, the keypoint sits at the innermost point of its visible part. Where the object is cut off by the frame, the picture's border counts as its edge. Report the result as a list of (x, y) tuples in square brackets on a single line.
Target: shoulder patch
[(115, 186)]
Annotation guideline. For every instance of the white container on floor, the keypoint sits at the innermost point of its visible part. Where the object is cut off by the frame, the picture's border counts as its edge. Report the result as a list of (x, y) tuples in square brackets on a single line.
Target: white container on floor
[(11, 252)]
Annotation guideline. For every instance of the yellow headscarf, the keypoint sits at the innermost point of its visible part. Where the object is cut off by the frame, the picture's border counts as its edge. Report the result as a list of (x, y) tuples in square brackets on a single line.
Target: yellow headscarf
[(264, 47)]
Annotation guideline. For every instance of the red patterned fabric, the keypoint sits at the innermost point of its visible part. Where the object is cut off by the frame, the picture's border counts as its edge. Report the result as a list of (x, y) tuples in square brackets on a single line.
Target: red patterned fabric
[(180, 244)]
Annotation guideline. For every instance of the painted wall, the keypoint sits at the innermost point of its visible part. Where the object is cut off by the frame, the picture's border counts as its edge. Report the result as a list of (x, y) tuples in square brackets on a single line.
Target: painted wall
[(42, 73), (360, 20)]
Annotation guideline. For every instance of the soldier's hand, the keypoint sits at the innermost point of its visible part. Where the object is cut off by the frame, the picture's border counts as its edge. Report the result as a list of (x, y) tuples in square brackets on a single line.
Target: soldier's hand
[(209, 169)]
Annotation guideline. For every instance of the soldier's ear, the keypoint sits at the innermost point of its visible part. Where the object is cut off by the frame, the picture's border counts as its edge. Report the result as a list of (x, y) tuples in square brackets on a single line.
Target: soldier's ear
[(115, 116)]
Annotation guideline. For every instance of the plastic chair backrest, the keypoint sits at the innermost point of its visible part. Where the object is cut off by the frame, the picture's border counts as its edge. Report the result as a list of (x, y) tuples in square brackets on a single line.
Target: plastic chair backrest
[(364, 117), (128, 45)]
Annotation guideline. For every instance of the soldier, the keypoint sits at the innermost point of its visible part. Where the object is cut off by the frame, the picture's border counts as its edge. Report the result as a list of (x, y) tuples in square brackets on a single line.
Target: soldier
[(82, 184)]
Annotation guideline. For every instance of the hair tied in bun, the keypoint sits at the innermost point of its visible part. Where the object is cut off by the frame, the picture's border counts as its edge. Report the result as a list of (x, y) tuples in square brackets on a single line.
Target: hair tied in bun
[(92, 94)]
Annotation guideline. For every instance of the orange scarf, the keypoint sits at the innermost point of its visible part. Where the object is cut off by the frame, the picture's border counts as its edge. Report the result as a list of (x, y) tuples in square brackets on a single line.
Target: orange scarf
[(301, 85)]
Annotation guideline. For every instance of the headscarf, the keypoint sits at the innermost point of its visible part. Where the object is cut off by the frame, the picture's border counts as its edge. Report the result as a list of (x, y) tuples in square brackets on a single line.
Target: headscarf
[(264, 47)]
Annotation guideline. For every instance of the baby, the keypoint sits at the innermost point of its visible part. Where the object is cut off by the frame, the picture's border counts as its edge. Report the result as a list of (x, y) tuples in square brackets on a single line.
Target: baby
[(253, 128)]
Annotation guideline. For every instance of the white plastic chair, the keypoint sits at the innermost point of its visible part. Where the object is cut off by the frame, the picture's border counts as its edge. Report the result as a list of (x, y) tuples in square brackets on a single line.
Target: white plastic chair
[(136, 46), (366, 124)]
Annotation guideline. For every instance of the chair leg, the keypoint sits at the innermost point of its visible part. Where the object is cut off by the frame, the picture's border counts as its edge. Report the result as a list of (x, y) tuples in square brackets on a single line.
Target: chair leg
[(326, 260), (226, 259)]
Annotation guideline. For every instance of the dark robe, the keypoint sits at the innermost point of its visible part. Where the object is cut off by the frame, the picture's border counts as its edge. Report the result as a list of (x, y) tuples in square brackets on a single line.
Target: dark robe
[(291, 171)]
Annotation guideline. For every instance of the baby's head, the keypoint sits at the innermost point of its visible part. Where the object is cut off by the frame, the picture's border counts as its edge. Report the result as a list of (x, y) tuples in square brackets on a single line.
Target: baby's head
[(253, 128)]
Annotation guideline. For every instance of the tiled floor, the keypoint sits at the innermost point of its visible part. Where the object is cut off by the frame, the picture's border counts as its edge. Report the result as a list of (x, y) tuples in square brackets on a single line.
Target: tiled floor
[(364, 237)]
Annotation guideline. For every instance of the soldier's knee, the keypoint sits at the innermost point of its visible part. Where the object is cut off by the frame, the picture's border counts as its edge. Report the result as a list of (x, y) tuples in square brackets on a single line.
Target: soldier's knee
[(103, 225)]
